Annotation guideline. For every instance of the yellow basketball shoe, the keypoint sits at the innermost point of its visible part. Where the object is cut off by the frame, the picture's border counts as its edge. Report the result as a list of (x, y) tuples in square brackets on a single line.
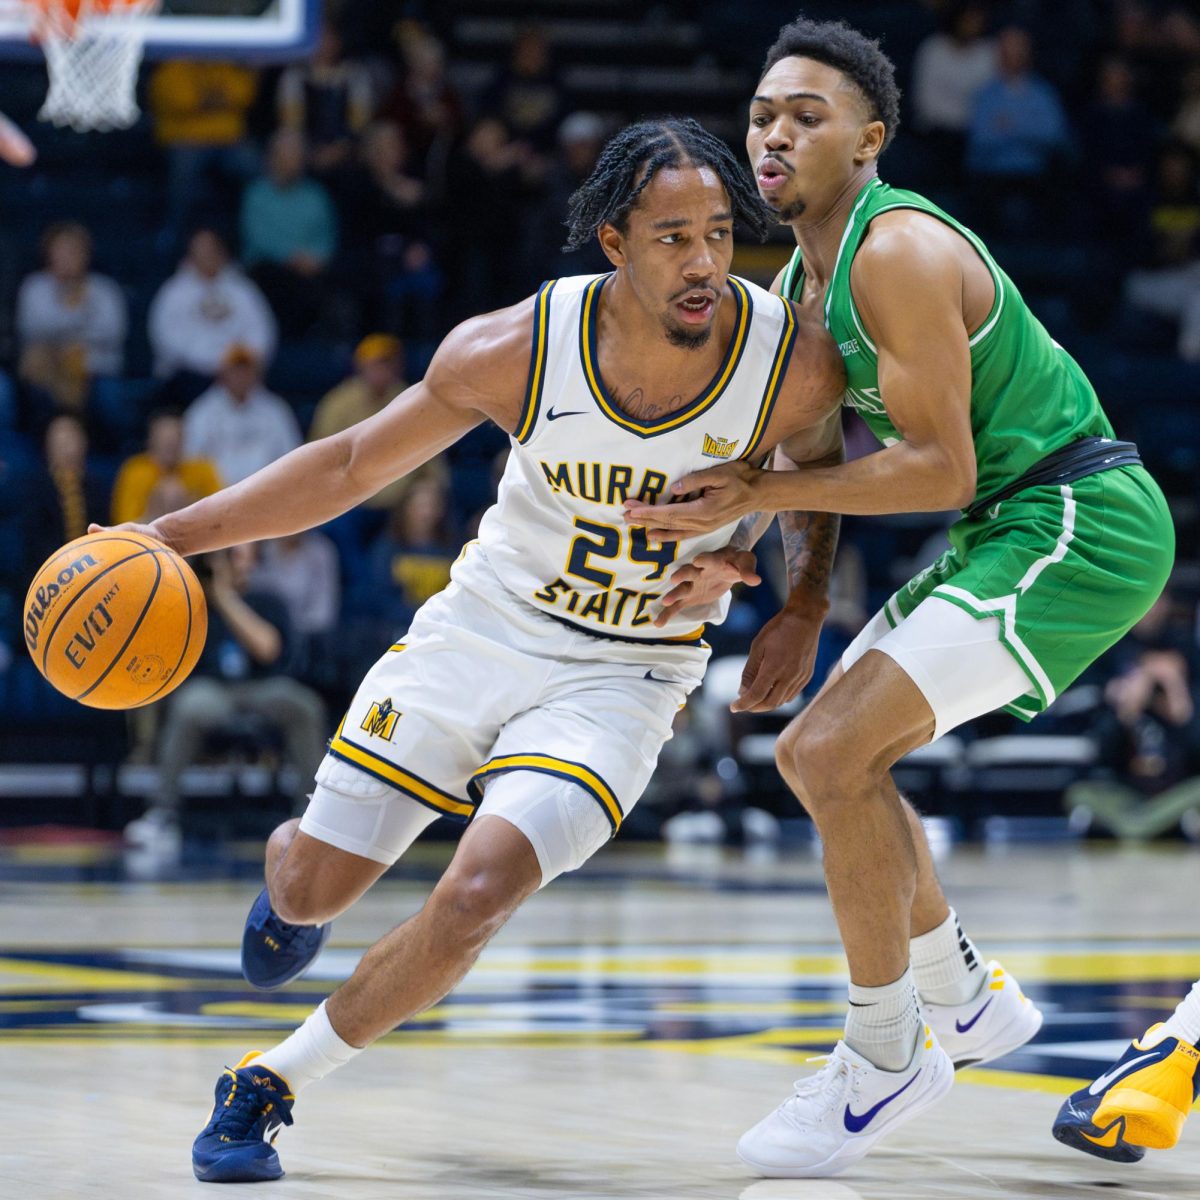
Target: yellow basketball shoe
[(1155, 1098)]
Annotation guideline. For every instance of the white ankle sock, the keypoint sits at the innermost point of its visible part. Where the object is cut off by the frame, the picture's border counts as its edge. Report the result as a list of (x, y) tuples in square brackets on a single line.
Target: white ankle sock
[(883, 1023), (946, 966), (1184, 1022), (310, 1053)]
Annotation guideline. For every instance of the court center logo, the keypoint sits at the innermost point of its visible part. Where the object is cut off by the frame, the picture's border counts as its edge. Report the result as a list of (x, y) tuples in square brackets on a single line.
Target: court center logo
[(381, 719), (718, 447)]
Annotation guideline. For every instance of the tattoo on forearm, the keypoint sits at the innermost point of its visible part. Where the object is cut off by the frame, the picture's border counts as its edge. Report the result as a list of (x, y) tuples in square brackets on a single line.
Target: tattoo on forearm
[(749, 529), (810, 540), (809, 545)]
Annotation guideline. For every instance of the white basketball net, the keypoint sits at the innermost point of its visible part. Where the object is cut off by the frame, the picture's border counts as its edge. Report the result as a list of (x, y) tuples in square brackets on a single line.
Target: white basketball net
[(93, 62)]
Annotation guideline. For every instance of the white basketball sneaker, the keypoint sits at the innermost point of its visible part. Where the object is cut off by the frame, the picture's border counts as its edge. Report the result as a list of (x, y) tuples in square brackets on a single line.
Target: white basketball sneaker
[(835, 1116), (996, 1022)]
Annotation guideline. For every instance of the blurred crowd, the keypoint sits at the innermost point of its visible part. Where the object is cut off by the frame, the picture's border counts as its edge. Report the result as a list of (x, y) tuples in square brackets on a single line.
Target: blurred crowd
[(274, 253)]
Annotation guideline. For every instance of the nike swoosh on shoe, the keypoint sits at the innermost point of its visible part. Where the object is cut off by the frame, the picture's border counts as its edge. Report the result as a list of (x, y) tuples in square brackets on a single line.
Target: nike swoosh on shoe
[(1120, 1069), (856, 1124), (963, 1028)]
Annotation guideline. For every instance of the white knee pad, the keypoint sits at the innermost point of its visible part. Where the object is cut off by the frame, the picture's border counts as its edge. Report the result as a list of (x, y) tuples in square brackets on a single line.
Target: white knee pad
[(362, 815), (564, 823)]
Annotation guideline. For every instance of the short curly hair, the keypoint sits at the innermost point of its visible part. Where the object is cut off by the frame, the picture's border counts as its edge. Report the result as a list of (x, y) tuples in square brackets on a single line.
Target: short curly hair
[(857, 56)]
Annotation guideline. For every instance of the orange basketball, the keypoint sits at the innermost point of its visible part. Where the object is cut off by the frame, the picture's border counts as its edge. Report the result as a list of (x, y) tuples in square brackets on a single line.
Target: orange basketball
[(115, 620)]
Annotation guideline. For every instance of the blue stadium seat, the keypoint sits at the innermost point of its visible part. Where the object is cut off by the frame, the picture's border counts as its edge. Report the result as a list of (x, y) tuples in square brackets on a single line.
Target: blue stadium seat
[(8, 401)]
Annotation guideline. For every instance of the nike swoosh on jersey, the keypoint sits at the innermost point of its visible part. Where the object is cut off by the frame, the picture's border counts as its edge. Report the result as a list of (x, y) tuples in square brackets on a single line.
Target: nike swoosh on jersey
[(963, 1028), (1120, 1069), (657, 678), (856, 1124), (551, 415)]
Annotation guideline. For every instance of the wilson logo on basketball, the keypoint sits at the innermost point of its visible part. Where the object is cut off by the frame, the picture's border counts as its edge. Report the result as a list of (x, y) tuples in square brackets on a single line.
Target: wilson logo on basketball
[(381, 720), (43, 598)]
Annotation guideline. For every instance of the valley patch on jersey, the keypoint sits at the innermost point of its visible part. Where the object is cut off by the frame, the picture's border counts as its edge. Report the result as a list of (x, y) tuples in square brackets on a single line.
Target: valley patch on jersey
[(555, 535)]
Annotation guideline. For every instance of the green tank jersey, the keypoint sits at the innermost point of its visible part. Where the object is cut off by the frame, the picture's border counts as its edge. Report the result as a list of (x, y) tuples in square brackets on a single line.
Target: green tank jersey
[(1028, 395)]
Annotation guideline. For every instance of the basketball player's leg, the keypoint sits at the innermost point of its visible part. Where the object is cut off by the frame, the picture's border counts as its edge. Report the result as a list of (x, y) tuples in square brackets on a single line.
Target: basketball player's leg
[(531, 827), (907, 688), (354, 828), (930, 908), (495, 868)]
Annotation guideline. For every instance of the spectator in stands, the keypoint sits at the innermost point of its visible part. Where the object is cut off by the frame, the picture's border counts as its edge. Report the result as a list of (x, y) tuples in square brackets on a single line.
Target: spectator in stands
[(1186, 125), (242, 673), (1170, 289), (950, 69), (199, 111), (328, 100), (289, 234), (202, 310), (492, 189), (528, 95), (1017, 137), (389, 196), (1149, 730), (68, 494), (424, 103), (580, 140), (412, 560), (378, 378), (238, 423), (1118, 139), (302, 570), (160, 480), (70, 321), (393, 229)]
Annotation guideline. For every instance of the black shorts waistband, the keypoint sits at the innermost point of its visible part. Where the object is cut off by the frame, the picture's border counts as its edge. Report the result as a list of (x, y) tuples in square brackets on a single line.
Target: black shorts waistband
[(1088, 456)]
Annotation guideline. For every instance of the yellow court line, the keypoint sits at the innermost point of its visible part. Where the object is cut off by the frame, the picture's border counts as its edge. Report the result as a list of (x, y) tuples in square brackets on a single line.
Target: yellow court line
[(799, 1008), (68, 976)]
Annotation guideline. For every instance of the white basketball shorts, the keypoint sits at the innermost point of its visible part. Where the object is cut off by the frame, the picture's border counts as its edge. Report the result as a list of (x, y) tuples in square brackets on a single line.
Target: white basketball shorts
[(483, 686)]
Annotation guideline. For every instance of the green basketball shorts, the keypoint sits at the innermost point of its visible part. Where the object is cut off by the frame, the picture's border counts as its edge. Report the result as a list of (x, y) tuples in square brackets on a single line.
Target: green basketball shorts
[(1067, 570)]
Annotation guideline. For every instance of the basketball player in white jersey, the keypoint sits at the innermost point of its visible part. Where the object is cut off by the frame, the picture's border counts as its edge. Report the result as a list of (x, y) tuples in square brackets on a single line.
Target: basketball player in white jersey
[(533, 695)]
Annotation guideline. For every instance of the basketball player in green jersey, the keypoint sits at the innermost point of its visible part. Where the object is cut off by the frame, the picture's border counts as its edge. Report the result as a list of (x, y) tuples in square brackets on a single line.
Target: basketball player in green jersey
[(1064, 543)]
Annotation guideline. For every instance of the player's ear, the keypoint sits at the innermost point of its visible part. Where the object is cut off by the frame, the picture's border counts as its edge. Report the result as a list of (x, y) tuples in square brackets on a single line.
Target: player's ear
[(612, 242), (870, 141)]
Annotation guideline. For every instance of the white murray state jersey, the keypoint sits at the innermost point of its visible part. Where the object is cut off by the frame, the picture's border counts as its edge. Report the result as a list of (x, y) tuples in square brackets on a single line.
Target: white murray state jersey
[(555, 535)]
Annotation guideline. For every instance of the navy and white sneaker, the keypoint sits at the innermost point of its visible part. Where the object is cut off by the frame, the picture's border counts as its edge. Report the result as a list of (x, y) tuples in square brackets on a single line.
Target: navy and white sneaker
[(1142, 1100), (251, 1103), (835, 1116), (274, 952)]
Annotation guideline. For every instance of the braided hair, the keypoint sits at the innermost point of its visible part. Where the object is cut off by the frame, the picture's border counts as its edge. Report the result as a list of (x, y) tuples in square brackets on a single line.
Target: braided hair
[(634, 156)]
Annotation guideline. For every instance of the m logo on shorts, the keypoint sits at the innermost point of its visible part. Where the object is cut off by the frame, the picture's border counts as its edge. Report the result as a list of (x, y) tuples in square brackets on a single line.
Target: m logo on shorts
[(381, 720)]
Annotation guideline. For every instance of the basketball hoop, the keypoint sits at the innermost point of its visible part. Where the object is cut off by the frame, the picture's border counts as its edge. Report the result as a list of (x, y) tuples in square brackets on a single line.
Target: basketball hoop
[(93, 50)]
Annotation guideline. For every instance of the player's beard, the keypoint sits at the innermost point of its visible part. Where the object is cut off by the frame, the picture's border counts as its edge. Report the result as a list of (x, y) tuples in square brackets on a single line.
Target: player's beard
[(688, 339), (792, 212)]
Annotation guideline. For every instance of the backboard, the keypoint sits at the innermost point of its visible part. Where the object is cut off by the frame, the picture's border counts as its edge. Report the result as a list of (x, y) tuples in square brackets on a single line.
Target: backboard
[(246, 30)]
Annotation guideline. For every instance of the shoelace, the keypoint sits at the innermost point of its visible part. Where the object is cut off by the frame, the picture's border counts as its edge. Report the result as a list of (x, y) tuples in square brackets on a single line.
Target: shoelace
[(237, 1117), (820, 1086), (282, 931)]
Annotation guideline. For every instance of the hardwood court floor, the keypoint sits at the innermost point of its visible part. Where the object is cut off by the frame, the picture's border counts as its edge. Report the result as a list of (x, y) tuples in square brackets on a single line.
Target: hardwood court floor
[(613, 1042)]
